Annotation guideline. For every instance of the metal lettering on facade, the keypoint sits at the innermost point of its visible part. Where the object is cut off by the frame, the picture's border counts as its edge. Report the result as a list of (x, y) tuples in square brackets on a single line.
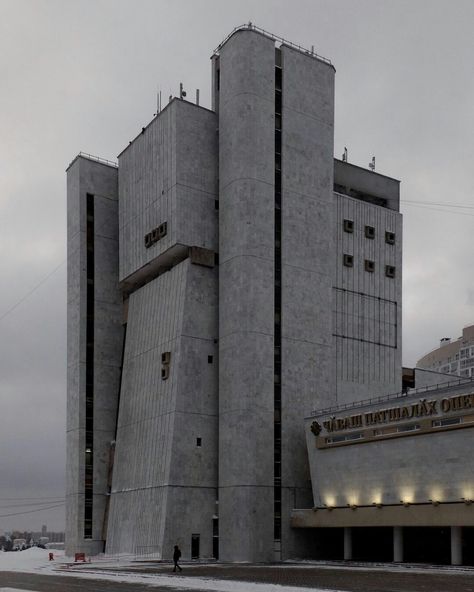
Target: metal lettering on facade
[(423, 408)]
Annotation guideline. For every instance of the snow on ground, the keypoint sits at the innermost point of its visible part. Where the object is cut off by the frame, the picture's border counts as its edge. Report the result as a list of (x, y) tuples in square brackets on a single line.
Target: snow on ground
[(30, 560), (35, 560)]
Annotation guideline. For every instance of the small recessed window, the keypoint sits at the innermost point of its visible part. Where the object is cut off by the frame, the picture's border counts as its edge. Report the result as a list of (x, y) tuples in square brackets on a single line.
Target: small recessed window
[(369, 265), (369, 232), (216, 258), (165, 372), (348, 226), (199, 442), (348, 260), (446, 422), (210, 359), (390, 238), (216, 204), (390, 271)]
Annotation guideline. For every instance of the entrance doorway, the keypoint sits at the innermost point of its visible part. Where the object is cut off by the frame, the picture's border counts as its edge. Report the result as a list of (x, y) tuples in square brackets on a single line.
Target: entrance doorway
[(195, 546)]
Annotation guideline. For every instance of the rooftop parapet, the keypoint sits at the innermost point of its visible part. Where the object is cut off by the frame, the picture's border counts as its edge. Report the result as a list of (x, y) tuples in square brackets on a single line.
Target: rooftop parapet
[(251, 27)]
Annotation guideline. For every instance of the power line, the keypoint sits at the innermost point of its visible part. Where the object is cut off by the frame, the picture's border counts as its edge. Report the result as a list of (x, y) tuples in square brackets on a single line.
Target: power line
[(51, 498), (32, 291), (444, 211), (30, 504), (44, 280), (434, 203), (31, 511)]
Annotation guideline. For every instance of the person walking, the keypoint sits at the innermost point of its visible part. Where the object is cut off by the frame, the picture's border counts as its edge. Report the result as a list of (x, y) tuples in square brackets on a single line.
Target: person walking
[(176, 558)]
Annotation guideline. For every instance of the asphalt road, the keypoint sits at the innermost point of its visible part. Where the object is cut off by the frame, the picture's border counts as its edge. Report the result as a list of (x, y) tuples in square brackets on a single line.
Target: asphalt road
[(41, 583), (344, 579)]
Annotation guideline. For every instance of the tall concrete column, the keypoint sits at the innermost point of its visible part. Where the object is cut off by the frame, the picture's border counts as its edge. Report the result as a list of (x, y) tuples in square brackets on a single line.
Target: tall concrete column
[(347, 543), (397, 544), (456, 545), (246, 297)]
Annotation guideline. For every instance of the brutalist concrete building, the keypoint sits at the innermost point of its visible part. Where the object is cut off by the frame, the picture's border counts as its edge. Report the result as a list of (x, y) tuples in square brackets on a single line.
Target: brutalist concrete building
[(224, 279)]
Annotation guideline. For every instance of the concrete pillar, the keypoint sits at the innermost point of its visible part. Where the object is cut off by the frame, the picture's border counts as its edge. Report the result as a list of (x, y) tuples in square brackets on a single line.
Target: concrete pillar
[(397, 544), (456, 545), (347, 543)]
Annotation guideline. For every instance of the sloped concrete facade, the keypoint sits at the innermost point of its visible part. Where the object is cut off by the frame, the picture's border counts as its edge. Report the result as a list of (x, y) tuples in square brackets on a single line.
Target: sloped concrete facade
[(160, 474)]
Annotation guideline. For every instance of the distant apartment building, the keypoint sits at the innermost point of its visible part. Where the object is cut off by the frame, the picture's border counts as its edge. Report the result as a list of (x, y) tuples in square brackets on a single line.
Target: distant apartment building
[(452, 356)]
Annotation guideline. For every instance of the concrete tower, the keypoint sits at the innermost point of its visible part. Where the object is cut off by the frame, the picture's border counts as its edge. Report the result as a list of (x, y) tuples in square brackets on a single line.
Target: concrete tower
[(275, 108), (242, 278), (95, 338)]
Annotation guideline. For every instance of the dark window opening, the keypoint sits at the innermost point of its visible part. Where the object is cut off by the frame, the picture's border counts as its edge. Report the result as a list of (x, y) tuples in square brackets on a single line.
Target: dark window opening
[(348, 226), (89, 398), (390, 271), (348, 260), (369, 265), (369, 232), (198, 442), (278, 78), (216, 204), (277, 299), (278, 102), (210, 359), (390, 238)]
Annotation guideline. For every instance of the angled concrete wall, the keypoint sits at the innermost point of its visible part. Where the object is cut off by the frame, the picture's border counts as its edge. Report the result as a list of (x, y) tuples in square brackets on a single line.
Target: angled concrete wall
[(165, 485), (307, 247), (89, 177), (246, 286)]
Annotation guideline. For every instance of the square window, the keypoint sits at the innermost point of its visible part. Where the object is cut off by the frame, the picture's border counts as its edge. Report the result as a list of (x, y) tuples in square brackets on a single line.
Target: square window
[(369, 232), (369, 265), (390, 271), (348, 260), (389, 237), (348, 226)]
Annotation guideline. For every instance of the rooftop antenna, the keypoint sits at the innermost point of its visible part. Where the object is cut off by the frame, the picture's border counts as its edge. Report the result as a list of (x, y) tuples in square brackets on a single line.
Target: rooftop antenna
[(372, 164), (158, 101), (249, 25), (182, 92), (197, 96), (344, 155)]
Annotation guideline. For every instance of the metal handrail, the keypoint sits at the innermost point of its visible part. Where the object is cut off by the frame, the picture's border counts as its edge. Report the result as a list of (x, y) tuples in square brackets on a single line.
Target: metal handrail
[(252, 27), (98, 159), (391, 397)]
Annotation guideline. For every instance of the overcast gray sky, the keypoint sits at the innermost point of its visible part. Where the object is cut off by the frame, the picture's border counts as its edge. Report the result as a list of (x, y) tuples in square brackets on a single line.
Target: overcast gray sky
[(83, 75)]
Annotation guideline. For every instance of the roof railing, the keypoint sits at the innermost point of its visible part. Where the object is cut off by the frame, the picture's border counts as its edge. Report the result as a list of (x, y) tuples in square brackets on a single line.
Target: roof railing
[(96, 158), (252, 27), (391, 397)]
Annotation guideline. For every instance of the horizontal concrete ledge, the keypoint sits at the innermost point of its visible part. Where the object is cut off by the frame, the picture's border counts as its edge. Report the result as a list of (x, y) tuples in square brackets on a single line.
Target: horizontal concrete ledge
[(453, 514)]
